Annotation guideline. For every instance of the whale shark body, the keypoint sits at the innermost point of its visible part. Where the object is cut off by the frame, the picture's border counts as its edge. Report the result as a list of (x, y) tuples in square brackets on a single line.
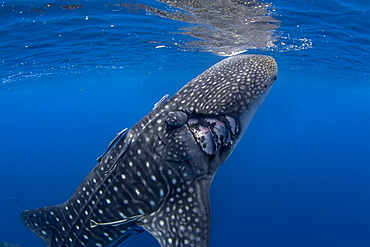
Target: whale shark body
[(157, 175)]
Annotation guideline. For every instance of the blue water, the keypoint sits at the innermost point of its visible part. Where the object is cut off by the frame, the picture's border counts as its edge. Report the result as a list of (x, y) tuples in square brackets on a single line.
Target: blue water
[(71, 79)]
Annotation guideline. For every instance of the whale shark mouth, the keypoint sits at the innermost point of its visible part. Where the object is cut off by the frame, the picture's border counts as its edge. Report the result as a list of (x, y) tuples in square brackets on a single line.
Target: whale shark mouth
[(214, 133), (193, 141)]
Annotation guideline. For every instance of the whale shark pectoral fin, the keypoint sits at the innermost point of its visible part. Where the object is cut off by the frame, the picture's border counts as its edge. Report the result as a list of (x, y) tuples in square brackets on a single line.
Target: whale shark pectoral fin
[(184, 218)]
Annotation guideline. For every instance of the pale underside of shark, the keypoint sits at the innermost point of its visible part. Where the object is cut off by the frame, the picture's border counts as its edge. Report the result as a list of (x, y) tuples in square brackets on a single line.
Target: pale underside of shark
[(157, 175)]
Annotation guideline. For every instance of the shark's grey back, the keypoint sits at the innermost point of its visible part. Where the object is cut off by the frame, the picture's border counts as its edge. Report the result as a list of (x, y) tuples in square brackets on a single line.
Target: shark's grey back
[(157, 175)]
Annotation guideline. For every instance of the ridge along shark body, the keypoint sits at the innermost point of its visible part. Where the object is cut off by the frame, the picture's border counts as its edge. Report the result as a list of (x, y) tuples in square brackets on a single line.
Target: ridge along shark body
[(157, 175)]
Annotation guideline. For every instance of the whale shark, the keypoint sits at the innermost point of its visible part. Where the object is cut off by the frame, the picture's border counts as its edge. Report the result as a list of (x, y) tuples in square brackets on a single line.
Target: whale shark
[(157, 175)]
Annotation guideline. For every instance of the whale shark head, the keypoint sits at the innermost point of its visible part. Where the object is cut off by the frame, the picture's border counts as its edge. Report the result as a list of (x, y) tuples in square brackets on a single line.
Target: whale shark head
[(232, 86), (225, 98), (157, 175)]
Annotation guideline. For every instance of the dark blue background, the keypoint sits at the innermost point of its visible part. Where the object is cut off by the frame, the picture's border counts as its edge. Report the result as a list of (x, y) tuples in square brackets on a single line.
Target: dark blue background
[(299, 177)]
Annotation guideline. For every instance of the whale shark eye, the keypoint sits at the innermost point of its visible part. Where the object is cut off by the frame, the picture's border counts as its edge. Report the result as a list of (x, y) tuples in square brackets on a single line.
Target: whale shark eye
[(176, 119)]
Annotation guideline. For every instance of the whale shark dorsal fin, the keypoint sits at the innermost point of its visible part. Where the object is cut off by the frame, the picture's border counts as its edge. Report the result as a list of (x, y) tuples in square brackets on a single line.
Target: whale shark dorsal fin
[(184, 219)]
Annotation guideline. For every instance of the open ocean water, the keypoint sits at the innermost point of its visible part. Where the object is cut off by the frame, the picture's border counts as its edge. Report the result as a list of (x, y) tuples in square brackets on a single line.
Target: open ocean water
[(70, 79)]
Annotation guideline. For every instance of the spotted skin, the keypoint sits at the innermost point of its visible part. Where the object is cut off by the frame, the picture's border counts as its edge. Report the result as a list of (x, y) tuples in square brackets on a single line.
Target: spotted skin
[(157, 175)]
